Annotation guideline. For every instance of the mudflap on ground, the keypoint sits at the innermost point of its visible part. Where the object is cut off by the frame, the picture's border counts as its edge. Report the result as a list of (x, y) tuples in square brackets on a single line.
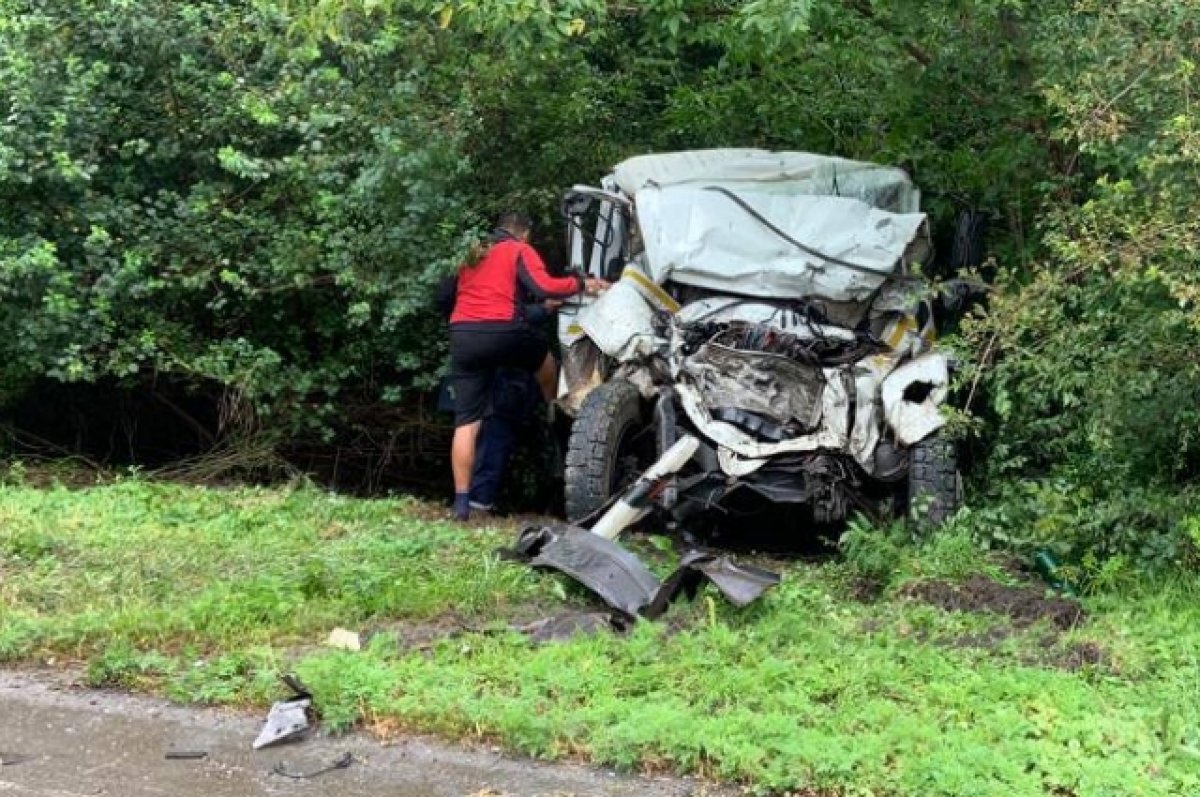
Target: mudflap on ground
[(624, 583)]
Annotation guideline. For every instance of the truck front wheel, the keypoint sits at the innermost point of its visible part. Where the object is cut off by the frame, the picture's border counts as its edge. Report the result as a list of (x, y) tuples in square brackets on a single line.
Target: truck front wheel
[(608, 448), (934, 492)]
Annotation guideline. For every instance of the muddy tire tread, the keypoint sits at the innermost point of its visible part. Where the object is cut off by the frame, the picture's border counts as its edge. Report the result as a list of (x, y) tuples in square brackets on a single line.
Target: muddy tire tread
[(606, 413), (933, 472)]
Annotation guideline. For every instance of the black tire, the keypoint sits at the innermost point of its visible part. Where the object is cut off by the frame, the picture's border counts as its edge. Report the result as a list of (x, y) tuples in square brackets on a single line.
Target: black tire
[(933, 480), (598, 449)]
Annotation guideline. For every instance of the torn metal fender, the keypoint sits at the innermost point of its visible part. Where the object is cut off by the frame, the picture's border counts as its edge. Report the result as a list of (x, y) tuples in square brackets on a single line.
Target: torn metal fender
[(621, 320), (620, 579), (912, 396), (604, 567), (868, 414)]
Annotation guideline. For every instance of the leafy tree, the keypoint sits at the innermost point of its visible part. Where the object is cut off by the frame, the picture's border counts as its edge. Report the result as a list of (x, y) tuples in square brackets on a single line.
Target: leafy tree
[(252, 199)]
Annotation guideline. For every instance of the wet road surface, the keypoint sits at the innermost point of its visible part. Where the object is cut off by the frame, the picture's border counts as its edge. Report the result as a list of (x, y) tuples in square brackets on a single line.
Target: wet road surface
[(81, 742)]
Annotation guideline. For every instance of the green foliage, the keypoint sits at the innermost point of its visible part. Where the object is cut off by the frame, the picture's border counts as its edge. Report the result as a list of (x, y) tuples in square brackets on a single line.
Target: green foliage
[(119, 568), (1094, 385), (254, 199), (259, 196), (191, 198)]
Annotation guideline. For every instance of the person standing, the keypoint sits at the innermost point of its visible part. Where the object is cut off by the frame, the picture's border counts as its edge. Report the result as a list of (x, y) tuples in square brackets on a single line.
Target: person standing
[(515, 402), (489, 330)]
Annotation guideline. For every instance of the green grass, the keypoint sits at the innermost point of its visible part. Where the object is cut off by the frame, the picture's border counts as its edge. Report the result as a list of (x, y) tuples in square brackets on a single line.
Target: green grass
[(206, 594)]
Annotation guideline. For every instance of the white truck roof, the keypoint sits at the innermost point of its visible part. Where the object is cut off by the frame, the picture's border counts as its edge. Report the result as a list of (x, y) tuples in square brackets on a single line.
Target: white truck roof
[(696, 233)]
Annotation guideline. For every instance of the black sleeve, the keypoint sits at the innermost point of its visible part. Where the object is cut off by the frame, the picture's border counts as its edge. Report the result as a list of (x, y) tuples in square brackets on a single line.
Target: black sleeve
[(533, 289)]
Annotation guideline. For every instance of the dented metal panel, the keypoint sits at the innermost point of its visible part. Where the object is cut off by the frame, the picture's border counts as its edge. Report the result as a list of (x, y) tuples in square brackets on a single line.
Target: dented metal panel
[(696, 236), (912, 396), (833, 432), (789, 173), (767, 384)]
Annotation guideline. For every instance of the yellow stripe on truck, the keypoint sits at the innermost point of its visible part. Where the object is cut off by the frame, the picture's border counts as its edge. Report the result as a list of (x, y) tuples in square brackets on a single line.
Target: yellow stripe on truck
[(655, 290), (900, 328)]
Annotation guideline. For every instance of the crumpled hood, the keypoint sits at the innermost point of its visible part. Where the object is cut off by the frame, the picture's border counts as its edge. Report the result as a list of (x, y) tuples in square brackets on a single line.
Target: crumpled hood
[(698, 236)]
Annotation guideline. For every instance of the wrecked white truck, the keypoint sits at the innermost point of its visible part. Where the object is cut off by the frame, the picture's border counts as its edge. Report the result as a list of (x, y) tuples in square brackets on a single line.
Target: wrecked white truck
[(766, 304)]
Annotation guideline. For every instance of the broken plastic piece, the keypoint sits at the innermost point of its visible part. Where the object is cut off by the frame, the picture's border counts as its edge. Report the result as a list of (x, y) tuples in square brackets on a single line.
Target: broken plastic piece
[(741, 584), (344, 639), (288, 719), (11, 759), (607, 569)]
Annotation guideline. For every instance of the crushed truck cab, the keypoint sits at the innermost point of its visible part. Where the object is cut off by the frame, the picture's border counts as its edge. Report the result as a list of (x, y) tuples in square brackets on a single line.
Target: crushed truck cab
[(768, 304)]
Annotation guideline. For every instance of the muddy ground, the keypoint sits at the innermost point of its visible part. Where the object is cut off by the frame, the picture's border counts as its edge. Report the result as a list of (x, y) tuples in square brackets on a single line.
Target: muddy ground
[(57, 740), (1023, 604)]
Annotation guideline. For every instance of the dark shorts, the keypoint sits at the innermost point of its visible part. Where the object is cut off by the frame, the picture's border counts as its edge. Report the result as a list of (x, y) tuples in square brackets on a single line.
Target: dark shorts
[(475, 354)]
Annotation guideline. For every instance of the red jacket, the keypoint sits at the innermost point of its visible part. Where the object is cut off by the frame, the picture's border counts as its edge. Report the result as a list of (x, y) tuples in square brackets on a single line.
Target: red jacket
[(493, 291)]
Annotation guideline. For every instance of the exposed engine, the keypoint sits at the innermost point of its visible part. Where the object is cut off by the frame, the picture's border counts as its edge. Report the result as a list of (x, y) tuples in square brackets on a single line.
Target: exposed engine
[(766, 381)]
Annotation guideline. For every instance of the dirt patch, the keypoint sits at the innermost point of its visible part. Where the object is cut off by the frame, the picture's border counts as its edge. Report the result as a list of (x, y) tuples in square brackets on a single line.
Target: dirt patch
[(539, 623), (1024, 605), (866, 589), (1083, 654)]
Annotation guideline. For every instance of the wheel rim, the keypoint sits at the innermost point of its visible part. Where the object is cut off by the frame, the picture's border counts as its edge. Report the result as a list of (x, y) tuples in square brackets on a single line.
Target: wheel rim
[(631, 459)]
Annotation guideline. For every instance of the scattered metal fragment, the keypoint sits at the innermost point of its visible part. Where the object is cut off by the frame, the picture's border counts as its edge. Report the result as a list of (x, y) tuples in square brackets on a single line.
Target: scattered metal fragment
[(186, 755), (620, 579), (341, 762), (740, 584), (288, 719)]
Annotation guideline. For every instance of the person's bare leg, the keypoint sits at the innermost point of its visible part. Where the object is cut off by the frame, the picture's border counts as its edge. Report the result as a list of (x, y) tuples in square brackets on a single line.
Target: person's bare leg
[(462, 455), (547, 378)]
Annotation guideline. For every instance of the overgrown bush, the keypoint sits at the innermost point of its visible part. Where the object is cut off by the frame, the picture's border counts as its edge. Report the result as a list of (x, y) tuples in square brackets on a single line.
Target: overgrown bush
[(254, 199), (1089, 356)]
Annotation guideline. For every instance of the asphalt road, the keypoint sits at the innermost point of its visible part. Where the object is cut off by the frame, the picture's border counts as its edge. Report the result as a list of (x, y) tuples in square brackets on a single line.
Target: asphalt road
[(70, 742)]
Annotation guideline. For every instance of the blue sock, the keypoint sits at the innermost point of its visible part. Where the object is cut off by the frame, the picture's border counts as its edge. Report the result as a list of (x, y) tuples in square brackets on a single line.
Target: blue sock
[(462, 506)]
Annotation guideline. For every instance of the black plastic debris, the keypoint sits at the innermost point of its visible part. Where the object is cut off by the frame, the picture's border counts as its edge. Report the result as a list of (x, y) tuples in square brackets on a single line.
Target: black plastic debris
[(288, 719), (12, 759), (620, 579), (604, 567), (740, 584), (341, 762), (186, 755)]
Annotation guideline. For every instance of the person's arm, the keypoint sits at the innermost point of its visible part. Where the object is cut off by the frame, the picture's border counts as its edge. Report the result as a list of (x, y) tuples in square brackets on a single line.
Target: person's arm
[(447, 291), (534, 277)]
